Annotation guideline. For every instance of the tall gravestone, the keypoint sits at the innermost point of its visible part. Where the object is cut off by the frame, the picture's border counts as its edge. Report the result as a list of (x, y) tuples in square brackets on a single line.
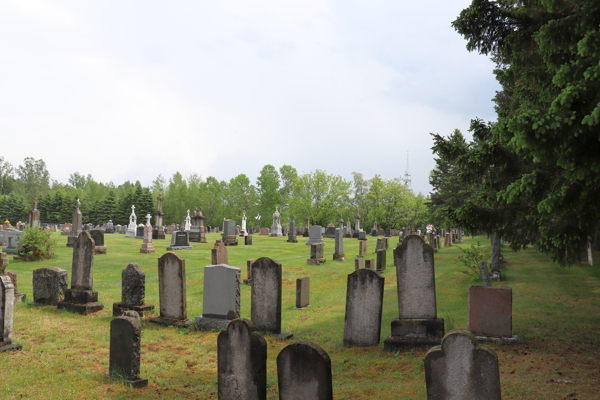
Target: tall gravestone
[(381, 260), (292, 232), (49, 286), (133, 292), (304, 372), (241, 362), (7, 303), (221, 297), (244, 231), (76, 225), (180, 240), (357, 228), (461, 369), (276, 227), (306, 227), (417, 326), (229, 236), (363, 245), (267, 275), (146, 246), (34, 214), (339, 245), (158, 231), (81, 298), (125, 351), (172, 291), (364, 306), (98, 236)]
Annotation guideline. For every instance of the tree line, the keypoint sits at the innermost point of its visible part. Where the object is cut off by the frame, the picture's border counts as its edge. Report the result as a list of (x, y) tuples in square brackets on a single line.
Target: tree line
[(318, 196)]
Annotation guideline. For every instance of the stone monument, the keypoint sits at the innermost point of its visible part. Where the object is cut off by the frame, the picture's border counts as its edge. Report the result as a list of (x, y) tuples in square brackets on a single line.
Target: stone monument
[(339, 245), (7, 304), (34, 214), (221, 297), (98, 236), (125, 349), (147, 244), (276, 227), (172, 291), (229, 236), (76, 225), (180, 240), (132, 227), (133, 292), (304, 372), (158, 231), (292, 231)]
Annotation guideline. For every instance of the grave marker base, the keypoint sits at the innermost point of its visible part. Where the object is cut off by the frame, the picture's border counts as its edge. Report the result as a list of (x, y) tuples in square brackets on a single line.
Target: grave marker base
[(339, 256), (418, 334), (10, 347), (100, 250), (514, 339), (283, 335), (173, 248), (292, 241), (174, 322), (211, 324), (83, 309), (315, 261), (143, 310), (136, 383)]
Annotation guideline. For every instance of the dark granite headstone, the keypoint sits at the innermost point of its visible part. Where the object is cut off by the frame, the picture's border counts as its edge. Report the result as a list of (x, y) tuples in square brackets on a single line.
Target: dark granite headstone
[(304, 372), (133, 289), (125, 345)]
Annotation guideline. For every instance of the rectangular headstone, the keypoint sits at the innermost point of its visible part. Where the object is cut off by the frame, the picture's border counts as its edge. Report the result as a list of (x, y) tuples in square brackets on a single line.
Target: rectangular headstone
[(302, 292), (172, 290), (125, 349), (364, 306), (221, 292), (490, 311), (266, 295), (304, 372)]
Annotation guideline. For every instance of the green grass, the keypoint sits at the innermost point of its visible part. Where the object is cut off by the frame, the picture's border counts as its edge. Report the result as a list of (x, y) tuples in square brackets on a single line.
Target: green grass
[(65, 356)]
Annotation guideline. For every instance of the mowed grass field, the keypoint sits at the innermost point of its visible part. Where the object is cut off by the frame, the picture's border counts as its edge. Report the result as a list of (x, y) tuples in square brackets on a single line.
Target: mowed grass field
[(65, 356)]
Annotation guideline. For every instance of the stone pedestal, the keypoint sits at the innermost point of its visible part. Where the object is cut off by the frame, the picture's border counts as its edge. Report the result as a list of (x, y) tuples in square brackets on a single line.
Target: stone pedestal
[(316, 254), (147, 246), (81, 302), (230, 240)]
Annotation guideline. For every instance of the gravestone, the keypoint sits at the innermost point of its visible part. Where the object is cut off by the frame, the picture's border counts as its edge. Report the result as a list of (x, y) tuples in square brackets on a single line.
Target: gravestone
[(241, 362), (229, 235), (461, 369), (306, 227), (317, 255), (267, 296), (34, 215), (304, 372), (315, 236), (12, 241), (249, 271), (180, 240), (276, 227), (158, 231), (219, 254), (490, 311), (330, 232), (339, 245), (364, 306), (248, 240), (133, 292), (3, 262), (362, 235), (81, 298), (146, 247), (49, 286), (381, 260), (171, 228), (417, 326), (172, 291), (221, 297), (244, 229), (98, 237), (292, 232), (264, 231), (7, 303), (374, 229), (75, 225), (125, 349), (110, 228), (19, 297), (131, 228), (139, 233), (302, 292)]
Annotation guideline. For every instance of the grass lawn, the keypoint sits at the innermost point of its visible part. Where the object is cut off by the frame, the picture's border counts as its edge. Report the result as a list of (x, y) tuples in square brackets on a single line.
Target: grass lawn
[(65, 356)]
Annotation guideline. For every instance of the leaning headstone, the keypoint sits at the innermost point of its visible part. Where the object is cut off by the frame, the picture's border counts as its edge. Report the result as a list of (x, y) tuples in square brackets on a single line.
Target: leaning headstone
[(133, 292), (364, 306), (125, 346), (98, 237), (172, 291), (462, 369), (7, 303), (241, 362), (315, 236), (180, 240), (221, 297), (19, 297), (267, 296), (302, 292), (417, 326), (490, 312), (304, 372), (317, 255), (219, 254), (81, 298), (146, 247), (49, 286), (339, 245)]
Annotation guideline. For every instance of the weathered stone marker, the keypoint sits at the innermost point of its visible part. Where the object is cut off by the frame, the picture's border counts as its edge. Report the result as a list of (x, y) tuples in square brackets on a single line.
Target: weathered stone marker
[(19, 297), (125, 345), (339, 245), (418, 326), (490, 311), (484, 273), (221, 297), (49, 286), (267, 297), (249, 271), (304, 372), (98, 237), (133, 291), (241, 362), (292, 231), (219, 253), (381, 260), (7, 303), (302, 292), (172, 291), (81, 298), (229, 233), (364, 306), (317, 254), (460, 369), (248, 240)]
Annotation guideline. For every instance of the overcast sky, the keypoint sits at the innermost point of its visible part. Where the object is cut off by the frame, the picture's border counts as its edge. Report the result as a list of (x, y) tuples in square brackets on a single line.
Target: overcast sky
[(127, 90)]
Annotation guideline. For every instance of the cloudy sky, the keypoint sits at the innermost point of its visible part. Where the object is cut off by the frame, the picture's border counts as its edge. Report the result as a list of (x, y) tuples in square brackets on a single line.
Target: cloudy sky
[(129, 90)]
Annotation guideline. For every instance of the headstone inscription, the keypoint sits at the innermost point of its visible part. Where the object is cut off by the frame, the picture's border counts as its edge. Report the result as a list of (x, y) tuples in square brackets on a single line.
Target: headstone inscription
[(304, 372), (81, 298), (417, 326), (49, 286), (461, 369), (364, 306), (221, 297), (125, 349), (267, 296), (241, 362), (172, 291), (7, 303), (133, 292), (180, 240)]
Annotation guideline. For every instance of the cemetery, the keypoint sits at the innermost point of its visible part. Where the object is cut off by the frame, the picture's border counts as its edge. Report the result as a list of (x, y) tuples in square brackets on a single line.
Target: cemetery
[(333, 313)]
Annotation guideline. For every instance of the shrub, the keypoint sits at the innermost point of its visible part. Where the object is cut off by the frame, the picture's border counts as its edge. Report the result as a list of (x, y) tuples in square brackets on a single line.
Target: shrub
[(471, 257), (36, 245)]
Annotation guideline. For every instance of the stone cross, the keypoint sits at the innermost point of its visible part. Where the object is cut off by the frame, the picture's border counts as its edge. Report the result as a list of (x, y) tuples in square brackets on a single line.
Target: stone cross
[(148, 217)]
